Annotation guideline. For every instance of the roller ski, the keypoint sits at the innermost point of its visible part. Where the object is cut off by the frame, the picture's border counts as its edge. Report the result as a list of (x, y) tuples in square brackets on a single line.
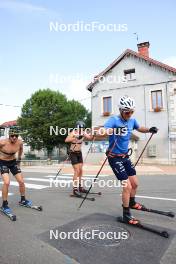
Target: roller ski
[(82, 190), (8, 212), (130, 220), (141, 207), (29, 204), (78, 194), (96, 193)]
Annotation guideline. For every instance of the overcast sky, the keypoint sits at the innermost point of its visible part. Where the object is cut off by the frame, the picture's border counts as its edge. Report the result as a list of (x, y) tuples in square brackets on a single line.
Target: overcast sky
[(33, 56)]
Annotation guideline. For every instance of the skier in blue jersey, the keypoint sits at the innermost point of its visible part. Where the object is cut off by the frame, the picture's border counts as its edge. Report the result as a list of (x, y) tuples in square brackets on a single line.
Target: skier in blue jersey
[(118, 156)]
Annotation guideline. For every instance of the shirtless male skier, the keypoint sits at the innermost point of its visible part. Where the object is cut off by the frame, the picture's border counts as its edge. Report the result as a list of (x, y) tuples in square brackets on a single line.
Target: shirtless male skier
[(76, 138), (8, 163)]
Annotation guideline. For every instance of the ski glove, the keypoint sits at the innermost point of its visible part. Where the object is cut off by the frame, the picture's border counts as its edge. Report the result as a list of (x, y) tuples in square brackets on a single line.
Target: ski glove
[(153, 130)]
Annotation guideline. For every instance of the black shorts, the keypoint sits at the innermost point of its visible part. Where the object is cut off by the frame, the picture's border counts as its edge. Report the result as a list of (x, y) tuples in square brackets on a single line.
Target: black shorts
[(76, 157), (9, 165), (122, 167)]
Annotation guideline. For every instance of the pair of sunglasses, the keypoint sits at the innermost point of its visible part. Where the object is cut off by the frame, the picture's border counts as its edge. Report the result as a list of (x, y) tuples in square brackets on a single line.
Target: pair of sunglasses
[(128, 112), (12, 136)]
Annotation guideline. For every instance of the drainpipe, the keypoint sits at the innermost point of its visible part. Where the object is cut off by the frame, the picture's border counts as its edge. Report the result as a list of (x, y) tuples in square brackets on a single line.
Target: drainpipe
[(145, 115), (167, 105)]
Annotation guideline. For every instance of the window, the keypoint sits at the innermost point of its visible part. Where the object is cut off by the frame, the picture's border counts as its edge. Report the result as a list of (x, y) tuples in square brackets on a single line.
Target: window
[(130, 74), (107, 105), (157, 100), (2, 132)]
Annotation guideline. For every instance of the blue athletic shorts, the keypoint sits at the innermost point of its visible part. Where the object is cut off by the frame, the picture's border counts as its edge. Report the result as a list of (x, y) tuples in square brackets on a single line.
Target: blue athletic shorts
[(122, 167)]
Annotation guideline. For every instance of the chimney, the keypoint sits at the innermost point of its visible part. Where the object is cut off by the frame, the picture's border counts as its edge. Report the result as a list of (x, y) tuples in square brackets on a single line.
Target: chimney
[(143, 48)]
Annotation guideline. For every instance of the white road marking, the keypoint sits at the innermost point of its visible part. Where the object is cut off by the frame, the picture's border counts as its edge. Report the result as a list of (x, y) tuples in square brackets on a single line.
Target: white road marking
[(156, 198), (59, 178), (37, 179), (30, 186), (8, 194), (70, 175), (48, 180)]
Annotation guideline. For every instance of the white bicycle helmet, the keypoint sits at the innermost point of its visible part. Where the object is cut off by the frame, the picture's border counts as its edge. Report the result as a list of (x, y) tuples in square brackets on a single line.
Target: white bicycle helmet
[(126, 103)]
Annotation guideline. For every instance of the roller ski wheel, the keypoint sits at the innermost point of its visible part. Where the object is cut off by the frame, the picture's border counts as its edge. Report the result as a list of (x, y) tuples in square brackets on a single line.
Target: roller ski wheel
[(8, 212), (29, 204)]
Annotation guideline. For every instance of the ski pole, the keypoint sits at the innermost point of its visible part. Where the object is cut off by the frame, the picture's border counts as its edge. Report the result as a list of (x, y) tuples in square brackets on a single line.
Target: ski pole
[(104, 164), (89, 149), (61, 168), (63, 165), (143, 149), (97, 174), (69, 157)]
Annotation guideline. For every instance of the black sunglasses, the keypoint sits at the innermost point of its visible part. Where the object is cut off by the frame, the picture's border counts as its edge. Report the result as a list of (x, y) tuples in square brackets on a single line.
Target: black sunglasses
[(128, 112), (14, 136)]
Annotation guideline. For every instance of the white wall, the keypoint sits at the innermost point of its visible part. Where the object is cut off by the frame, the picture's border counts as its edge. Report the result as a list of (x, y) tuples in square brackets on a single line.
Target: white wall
[(148, 77)]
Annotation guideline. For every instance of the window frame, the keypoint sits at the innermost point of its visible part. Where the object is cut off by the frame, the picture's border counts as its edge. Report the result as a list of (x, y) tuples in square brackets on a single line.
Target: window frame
[(2, 132), (130, 72), (151, 100), (103, 112)]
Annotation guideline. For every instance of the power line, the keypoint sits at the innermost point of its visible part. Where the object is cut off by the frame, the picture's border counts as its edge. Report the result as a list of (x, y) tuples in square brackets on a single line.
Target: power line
[(86, 98), (11, 105)]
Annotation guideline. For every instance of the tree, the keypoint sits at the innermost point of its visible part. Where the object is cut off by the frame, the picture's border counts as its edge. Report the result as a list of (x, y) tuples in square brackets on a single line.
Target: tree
[(77, 112), (48, 108)]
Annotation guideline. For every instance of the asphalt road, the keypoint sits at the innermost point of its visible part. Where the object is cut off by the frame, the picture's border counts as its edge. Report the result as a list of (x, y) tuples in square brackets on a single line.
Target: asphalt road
[(21, 241)]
